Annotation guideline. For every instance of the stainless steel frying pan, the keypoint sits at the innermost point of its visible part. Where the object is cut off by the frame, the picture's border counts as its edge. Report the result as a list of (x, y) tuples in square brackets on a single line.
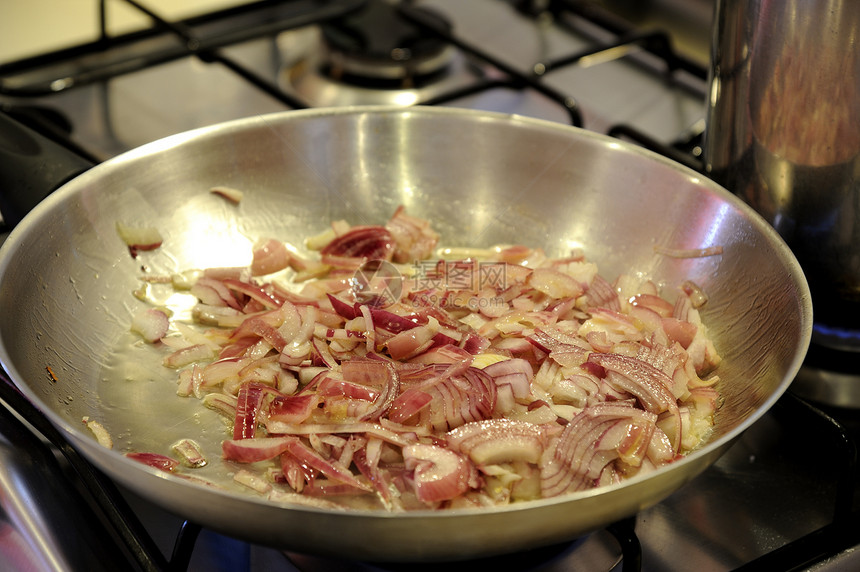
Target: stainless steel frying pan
[(66, 282)]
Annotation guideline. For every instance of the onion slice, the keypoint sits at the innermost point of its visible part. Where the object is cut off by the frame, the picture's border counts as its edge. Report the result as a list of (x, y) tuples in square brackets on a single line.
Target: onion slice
[(440, 474), (499, 441), (151, 323), (233, 195), (139, 238)]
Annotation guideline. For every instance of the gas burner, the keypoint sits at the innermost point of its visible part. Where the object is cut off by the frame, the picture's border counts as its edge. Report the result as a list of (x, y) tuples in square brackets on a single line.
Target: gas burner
[(377, 48), (372, 56)]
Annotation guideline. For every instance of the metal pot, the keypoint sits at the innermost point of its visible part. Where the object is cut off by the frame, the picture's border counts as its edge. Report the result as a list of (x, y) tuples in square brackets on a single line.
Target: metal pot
[(482, 179), (783, 132)]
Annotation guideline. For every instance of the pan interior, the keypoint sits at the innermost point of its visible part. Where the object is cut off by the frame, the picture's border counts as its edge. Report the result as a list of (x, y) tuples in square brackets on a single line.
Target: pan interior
[(481, 179)]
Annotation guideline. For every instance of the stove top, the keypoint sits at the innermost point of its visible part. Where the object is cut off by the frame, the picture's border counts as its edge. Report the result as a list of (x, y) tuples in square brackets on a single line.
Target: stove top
[(783, 497)]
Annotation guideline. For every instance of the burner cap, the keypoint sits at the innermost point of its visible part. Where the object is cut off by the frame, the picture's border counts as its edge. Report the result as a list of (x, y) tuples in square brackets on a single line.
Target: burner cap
[(377, 46)]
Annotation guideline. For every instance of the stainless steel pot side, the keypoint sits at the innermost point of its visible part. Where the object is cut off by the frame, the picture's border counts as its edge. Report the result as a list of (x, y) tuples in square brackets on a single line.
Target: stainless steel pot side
[(66, 283), (783, 132)]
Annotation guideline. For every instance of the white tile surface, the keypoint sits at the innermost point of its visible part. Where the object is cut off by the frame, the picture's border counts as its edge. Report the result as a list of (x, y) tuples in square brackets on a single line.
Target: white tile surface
[(29, 27)]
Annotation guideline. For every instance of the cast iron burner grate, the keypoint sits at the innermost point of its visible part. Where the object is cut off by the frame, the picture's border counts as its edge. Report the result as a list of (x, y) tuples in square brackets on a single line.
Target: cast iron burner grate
[(420, 40)]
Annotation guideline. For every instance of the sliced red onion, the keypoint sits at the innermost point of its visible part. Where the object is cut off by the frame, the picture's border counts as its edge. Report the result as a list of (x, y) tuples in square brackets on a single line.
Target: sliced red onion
[(223, 316), (592, 440), (578, 389), (249, 401), (412, 342), (292, 408), (649, 320), (505, 400), (330, 387), (594, 369), (331, 469), (255, 450), (342, 308), (564, 308), (233, 195), (366, 242), (601, 294), (666, 358), (440, 474), (650, 385), (679, 331), (413, 237), (322, 355), (445, 354), (521, 347), (517, 373), (474, 343), (346, 391), (139, 238), (394, 323), (264, 297), (218, 372), (296, 473), (269, 256), (698, 297), (374, 373), (327, 488), (207, 295), (599, 341), (643, 380), (263, 369), (408, 404), (258, 327), (184, 385), (151, 323), (321, 331), (553, 339), (342, 266), (222, 403), (154, 460), (654, 303), (689, 252), (99, 431), (660, 449), (499, 441), (367, 462), (366, 371), (615, 322), (205, 287), (369, 328), (187, 356), (226, 272), (704, 399), (555, 284), (279, 428), (515, 254), (190, 453), (459, 399), (252, 480)]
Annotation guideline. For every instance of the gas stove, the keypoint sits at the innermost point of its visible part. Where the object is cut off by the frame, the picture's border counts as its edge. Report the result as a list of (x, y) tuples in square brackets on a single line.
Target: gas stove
[(783, 495)]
